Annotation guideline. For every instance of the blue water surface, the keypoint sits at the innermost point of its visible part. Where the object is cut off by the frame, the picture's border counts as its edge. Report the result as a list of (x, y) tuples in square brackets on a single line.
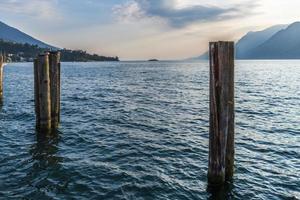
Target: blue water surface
[(139, 130)]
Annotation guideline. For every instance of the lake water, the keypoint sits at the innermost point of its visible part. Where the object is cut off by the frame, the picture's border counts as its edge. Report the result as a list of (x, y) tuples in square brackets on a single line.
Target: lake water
[(134, 130)]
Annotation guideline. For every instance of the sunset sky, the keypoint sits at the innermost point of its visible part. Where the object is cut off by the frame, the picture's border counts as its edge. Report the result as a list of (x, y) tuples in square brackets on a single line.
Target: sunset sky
[(143, 29)]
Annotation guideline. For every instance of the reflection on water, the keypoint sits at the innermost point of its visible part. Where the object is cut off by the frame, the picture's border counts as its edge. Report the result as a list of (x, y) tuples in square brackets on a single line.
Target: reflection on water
[(44, 151), (1, 102), (221, 192), (46, 166)]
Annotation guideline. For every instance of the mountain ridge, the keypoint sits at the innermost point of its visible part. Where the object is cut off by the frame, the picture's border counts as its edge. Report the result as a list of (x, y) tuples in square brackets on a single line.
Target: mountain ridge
[(285, 44), (253, 39), (275, 42), (21, 47), (11, 34)]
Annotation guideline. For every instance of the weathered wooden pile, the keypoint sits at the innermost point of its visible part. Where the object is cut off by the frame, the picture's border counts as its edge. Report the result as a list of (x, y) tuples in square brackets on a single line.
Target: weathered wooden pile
[(1, 77), (221, 133), (47, 90)]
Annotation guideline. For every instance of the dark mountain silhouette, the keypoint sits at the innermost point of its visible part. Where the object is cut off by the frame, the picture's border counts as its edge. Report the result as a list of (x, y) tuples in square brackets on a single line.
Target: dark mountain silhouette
[(253, 39), (202, 57), (276, 42), (19, 46), (8, 33), (285, 44)]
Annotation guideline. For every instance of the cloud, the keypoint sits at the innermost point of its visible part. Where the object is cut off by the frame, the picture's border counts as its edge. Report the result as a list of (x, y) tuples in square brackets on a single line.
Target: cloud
[(128, 11), (43, 9), (167, 11)]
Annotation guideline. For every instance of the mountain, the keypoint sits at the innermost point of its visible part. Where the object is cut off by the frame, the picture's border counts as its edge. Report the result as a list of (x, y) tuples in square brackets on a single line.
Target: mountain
[(8, 33), (17, 52), (20, 47), (285, 44), (204, 56), (253, 39), (254, 44)]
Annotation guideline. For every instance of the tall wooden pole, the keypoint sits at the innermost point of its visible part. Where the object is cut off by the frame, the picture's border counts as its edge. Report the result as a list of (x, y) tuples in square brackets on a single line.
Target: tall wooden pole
[(230, 148), (36, 92), (1, 77), (221, 133), (44, 92), (54, 63)]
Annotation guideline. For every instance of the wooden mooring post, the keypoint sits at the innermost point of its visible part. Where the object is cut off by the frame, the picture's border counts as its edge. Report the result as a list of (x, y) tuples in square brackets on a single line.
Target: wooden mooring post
[(47, 90), (221, 133), (54, 63), (1, 77)]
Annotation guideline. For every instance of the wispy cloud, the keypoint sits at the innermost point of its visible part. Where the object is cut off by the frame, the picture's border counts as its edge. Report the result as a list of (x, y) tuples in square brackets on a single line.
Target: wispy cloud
[(167, 11), (128, 11), (43, 9)]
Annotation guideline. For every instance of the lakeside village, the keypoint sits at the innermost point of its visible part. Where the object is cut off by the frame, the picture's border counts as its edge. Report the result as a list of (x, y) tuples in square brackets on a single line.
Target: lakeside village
[(19, 57), (17, 52)]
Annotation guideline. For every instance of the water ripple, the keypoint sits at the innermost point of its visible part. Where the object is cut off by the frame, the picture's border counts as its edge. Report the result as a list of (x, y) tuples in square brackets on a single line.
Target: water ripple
[(134, 130)]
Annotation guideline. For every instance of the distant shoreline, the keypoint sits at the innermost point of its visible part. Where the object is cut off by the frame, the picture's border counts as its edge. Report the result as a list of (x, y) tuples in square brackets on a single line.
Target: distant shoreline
[(18, 52), (164, 61)]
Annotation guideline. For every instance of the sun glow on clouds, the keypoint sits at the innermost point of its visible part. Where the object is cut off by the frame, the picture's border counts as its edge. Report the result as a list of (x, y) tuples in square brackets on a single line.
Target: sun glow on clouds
[(176, 14), (175, 29), (179, 4), (177, 35), (143, 29)]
